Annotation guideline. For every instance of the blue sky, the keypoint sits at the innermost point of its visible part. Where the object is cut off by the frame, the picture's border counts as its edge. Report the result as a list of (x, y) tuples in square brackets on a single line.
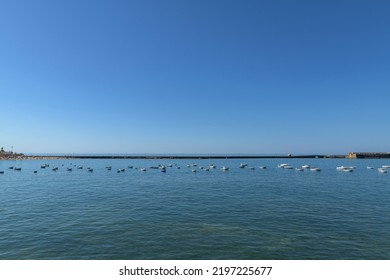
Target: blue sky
[(225, 77)]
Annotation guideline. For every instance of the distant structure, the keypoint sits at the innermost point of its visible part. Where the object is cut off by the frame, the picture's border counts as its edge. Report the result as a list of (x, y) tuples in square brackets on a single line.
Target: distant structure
[(9, 154), (367, 155), (4, 153)]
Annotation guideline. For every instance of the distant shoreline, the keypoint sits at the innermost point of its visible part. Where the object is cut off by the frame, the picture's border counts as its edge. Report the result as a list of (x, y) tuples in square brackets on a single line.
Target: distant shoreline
[(52, 157), (48, 157)]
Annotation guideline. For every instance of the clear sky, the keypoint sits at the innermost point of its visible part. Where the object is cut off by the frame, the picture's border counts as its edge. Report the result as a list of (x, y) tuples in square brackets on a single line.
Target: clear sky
[(195, 76)]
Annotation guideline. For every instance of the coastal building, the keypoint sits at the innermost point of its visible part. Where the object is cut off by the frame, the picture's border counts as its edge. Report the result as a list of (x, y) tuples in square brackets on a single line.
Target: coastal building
[(4, 153), (9, 154), (353, 155)]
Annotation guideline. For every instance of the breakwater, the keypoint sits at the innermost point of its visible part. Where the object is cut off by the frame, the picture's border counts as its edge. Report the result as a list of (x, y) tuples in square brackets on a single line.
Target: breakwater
[(44, 157), (355, 155), (179, 156), (4, 156)]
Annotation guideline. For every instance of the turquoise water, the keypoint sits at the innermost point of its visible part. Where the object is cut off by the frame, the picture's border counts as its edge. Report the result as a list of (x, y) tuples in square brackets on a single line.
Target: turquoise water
[(239, 214)]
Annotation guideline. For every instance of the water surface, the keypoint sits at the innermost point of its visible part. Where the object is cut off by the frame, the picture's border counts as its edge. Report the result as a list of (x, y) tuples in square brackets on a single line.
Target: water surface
[(239, 214)]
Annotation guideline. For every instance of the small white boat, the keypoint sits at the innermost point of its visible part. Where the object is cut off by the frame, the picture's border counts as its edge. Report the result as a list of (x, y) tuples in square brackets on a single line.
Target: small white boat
[(211, 166), (370, 167), (382, 170), (299, 169), (193, 170), (224, 168), (243, 165), (315, 169), (341, 167), (347, 170), (143, 169), (287, 167), (282, 165), (385, 166), (263, 167), (306, 166), (55, 168)]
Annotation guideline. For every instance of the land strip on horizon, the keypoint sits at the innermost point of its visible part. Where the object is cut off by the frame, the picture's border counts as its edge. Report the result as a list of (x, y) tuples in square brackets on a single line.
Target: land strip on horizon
[(42, 157)]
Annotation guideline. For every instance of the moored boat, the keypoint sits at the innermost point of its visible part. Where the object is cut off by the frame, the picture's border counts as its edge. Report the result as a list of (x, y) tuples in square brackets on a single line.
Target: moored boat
[(347, 170), (341, 167), (288, 167)]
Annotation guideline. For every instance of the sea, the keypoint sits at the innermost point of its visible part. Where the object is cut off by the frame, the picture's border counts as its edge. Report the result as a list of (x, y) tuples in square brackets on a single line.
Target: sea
[(243, 213)]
